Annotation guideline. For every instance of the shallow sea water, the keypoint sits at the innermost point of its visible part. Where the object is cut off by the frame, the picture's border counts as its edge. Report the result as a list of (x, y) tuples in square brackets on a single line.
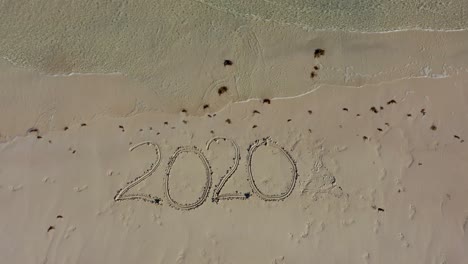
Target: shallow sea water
[(176, 47), (353, 15)]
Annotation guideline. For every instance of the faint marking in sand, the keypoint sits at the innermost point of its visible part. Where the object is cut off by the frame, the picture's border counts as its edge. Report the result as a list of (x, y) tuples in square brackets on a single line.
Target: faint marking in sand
[(295, 145), (382, 174), (120, 196), (412, 212), (378, 150), (157, 219), (228, 196), (347, 222), (340, 148), (278, 260), (312, 227), (206, 188), (181, 256), (80, 188), (377, 225), (447, 197), (306, 230), (69, 231), (366, 257), (465, 225), (399, 186), (404, 242), (15, 188), (272, 197)]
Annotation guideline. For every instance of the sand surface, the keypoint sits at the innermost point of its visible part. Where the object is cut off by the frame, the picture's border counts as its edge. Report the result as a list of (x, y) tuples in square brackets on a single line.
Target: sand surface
[(134, 153)]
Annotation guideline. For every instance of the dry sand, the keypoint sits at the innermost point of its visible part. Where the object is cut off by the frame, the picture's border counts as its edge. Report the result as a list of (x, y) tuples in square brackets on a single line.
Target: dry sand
[(366, 162)]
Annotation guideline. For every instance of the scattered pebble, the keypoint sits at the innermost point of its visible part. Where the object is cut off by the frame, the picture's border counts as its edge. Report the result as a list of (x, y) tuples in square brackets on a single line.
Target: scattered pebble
[(33, 129), (222, 90), (318, 53)]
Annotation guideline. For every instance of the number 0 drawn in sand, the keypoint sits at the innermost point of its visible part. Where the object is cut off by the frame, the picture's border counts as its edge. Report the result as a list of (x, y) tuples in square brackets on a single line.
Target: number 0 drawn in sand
[(121, 194), (270, 197), (206, 188)]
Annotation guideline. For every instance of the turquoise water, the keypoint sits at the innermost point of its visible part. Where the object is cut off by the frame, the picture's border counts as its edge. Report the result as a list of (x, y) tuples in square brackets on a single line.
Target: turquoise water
[(353, 15)]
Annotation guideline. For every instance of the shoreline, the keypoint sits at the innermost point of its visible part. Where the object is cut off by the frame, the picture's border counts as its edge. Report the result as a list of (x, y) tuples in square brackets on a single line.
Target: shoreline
[(267, 67)]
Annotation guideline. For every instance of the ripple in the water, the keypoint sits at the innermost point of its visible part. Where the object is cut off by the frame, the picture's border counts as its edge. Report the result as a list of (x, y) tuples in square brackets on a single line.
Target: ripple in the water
[(352, 15)]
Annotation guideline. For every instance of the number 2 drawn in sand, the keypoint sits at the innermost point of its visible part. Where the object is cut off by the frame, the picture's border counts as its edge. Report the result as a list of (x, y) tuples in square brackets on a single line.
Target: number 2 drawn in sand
[(121, 194), (216, 194), (206, 188)]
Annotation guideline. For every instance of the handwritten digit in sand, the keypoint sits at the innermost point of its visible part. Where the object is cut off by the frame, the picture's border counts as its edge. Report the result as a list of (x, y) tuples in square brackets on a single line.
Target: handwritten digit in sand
[(206, 188), (270, 197), (121, 194), (228, 196)]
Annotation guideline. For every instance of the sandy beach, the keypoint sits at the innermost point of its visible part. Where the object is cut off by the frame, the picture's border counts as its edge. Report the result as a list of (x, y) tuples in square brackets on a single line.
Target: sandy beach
[(263, 142)]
